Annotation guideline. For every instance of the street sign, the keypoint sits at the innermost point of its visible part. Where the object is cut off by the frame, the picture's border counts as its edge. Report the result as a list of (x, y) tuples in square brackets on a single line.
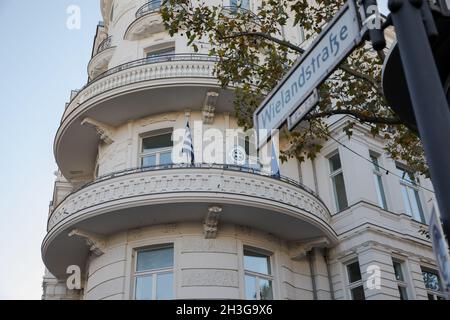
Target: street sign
[(333, 45), (442, 6), (445, 7), (440, 250), (303, 110)]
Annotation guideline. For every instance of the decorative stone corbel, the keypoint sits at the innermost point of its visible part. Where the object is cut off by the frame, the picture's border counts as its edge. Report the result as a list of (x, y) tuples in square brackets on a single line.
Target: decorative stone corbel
[(303, 248), (211, 222), (95, 242), (104, 131), (209, 107)]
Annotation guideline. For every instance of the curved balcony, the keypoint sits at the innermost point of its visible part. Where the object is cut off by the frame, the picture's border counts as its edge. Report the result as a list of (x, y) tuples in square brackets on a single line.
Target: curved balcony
[(148, 21), (177, 193), (100, 61), (155, 85)]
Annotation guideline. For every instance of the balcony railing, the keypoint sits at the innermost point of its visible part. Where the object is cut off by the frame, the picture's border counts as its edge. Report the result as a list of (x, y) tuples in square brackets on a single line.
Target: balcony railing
[(157, 59), (105, 44), (149, 7), (227, 167)]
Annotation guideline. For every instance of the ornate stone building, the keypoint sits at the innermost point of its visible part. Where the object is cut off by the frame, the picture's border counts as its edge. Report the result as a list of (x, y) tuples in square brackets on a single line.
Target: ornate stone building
[(141, 228)]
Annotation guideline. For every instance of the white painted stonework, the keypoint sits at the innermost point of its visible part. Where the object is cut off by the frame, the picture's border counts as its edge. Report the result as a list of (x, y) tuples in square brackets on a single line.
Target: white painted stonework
[(106, 208)]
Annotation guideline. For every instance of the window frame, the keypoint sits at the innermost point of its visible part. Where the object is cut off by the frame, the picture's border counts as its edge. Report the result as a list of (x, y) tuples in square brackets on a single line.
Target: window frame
[(401, 283), (158, 152), (238, 4), (167, 50), (333, 175), (258, 276), (378, 179), (353, 285), (154, 272), (414, 186), (430, 292)]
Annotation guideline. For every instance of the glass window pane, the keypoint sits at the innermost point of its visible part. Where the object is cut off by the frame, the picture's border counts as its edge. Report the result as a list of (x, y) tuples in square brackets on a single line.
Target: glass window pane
[(403, 293), (164, 286), (380, 191), (358, 293), (265, 289), (250, 288), (144, 287), (149, 161), (165, 158), (406, 201), (340, 193), (335, 162), (375, 163), (354, 273), (398, 271), (416, 205), (406, 175), (256, 262), (430, 297), (432, 281), (154, 143), (155, 259)]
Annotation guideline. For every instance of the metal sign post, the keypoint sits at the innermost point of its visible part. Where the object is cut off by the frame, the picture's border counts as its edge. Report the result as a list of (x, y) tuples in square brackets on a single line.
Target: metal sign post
[(440, 250), (333, 45), (427, 95)]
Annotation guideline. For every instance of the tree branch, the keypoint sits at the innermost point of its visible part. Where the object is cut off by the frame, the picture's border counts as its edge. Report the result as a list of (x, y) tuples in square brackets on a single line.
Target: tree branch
[(343, 67)]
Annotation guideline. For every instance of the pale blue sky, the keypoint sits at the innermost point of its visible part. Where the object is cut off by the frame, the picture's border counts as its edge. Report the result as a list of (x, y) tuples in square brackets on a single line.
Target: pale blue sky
[(41, 61)]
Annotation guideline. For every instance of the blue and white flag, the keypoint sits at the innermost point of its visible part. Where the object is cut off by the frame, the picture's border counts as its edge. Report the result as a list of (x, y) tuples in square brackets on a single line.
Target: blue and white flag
[(188, 148), (274, 167)]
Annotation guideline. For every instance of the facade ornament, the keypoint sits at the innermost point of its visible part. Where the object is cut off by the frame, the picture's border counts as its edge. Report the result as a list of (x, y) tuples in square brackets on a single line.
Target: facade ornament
[(303, 248), (104, 131), (95, 242), (211, 222)]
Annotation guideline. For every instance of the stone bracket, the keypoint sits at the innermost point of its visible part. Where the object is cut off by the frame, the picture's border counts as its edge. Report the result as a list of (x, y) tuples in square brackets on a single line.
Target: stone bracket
[(95, 242), (302, 249), (104, 131), (209, 107), (211, 222)]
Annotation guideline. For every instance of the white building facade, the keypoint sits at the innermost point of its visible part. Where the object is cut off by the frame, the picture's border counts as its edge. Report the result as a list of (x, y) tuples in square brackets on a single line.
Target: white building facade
[(139, 227)]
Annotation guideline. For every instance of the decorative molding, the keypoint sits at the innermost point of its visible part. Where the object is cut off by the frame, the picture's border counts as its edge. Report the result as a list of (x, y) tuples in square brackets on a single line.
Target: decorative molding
[(212, 183), (139, 75), (210, 277), (209, 107), (95, 242), (145, 26), (211, 222), (167, 117), (303, 248), (104, 131), (100, 62)]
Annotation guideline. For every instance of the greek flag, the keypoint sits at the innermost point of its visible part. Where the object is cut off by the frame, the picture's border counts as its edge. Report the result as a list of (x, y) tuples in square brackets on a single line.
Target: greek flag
[(274, 167), (188, 148)]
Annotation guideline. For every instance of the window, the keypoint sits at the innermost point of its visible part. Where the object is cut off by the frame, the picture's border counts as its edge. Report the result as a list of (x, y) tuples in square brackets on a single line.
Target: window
[(410, 193), (377, 176), (432, 284), (258, 276), (355, 286), (241, 4), (337, 179), (153, 278), (161, 54), (401, 282), (156, 149)]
